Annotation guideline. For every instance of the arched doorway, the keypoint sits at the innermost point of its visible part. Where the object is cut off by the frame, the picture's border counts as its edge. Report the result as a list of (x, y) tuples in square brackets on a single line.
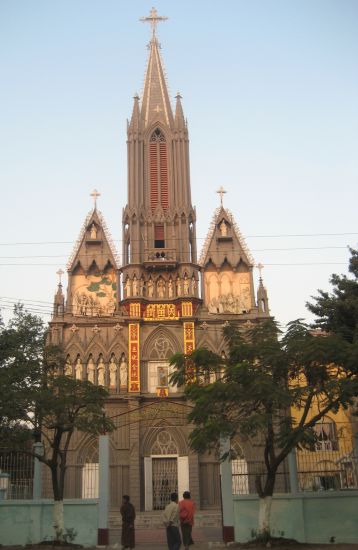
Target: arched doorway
[(164, 470)]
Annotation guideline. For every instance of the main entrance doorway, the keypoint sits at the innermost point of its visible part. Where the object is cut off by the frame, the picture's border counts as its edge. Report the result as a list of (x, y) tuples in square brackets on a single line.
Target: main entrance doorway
[(165, 471), (165, 480)]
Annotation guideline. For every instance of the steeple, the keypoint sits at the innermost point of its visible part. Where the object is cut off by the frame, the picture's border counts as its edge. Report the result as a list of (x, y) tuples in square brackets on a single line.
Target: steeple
[(159, 239), (155, 101)]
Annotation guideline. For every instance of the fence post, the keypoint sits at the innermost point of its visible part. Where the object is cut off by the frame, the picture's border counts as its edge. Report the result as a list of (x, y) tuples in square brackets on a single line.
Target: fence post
[(38, 448), (226, 492), (292, 468), (103, 490)]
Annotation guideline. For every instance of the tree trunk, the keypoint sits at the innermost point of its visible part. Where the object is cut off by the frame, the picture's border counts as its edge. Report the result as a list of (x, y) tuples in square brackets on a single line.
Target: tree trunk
[(58, 519), (265, 516)]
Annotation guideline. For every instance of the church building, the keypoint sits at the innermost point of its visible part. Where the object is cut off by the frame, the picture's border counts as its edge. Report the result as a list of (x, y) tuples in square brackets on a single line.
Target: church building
[(122, 318)]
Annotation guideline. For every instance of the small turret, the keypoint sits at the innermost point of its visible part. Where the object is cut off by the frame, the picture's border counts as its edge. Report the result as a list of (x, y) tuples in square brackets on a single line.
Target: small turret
[(262, 299), (179, 120), (134, 123), (59, 299)]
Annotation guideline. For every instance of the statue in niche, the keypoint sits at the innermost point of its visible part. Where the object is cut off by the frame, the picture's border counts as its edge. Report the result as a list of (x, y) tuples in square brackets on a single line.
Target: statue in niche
[(150, 287), (123, 372), (68, 368), (127, 287), (192, 285), (141, 287), (112, 373), (93, 231), (78, 369), (178, 285), (100, 372), (223, 229), (160, 288), (170, 289), (90, 371), (162, 377), (186, 286), (135, 286)]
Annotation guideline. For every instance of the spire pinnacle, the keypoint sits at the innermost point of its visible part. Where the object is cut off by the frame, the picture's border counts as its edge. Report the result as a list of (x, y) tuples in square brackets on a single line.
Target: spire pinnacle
[(60, 272), (95, 196), (179, 115), (260, 268), (221, 191), (153, 19)]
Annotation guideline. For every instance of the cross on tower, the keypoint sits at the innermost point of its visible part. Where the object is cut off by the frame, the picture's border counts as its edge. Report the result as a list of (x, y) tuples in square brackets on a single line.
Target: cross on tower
[(153, 18), (260, 268), (221, 191), (59, 273), (95, 195)]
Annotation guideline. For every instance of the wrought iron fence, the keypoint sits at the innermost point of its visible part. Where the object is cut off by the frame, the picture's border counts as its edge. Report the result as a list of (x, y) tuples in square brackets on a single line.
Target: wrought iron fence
[(331, 465), (16, 475)]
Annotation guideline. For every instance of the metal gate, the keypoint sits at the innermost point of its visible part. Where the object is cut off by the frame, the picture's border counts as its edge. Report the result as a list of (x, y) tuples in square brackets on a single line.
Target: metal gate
[(165, 481)]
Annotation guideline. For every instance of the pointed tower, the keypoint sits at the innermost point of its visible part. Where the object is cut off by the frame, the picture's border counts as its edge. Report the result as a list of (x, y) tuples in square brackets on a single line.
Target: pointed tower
[(227, 265), (159, 243), (92, 270)]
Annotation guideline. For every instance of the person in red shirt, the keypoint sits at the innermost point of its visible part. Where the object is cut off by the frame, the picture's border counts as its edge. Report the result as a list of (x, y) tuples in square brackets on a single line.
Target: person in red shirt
[(186, 516)]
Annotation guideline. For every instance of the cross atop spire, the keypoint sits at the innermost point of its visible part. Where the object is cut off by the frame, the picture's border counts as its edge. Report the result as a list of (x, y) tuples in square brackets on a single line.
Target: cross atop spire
[(95, 196), (153, 18), (59, 273), (260, 268), (221, 191)]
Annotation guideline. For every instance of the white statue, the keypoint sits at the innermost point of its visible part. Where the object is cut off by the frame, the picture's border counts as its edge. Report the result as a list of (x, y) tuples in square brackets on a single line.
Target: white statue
[(186, 286), (78, 369), (123, 372), (112, 373), (68, 368), (178, 284), (223, 229), (100, 372), (135, 286), (170, 289), (192, 285), (93, 233), (90, 371), (150, 288), (160, 288), (127, 288)]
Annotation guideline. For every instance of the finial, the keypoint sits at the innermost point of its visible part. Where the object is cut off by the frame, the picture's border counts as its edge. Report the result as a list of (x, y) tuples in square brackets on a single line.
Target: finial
[(95, 195), (178, 96), (59, 273), (260, 268), (153, 18), (221, 191)]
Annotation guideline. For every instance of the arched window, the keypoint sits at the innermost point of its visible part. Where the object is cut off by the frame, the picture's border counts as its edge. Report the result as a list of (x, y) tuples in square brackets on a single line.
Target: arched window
[(326, 435), (158, 170)]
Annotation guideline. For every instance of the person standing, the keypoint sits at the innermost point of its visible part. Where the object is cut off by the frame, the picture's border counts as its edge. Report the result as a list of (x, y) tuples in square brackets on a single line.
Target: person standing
[(171, 522), (186, 516), (128, 516)]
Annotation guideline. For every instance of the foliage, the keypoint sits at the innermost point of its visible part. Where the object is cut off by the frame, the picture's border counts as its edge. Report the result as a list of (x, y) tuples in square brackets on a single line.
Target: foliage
[(264, 377), (38, 402), (338, 311)]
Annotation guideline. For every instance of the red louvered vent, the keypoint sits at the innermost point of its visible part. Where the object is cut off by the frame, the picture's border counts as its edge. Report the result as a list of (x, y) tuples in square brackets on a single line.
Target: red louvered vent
[(153, 170), (163, 175)]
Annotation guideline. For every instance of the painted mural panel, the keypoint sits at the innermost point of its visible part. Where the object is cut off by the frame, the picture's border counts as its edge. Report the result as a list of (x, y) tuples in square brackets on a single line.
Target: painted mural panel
[(94, 295), (228, 292)]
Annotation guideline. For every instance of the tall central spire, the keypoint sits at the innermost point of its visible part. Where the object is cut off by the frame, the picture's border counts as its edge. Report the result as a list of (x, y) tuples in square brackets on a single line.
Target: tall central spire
[(155, 102)]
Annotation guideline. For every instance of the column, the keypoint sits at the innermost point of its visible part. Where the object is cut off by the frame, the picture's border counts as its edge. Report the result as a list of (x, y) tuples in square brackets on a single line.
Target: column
[(226, 493), (37, 481), (103, 490)]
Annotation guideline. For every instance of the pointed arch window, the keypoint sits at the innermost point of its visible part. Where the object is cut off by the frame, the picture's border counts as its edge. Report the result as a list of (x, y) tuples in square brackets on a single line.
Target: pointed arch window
[(158, 170)]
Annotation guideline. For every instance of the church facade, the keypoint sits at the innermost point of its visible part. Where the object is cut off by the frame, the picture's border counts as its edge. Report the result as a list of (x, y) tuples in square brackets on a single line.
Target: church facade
[(121, 320)]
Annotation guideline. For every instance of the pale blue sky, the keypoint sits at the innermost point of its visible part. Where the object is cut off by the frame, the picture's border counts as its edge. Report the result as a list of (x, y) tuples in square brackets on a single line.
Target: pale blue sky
[(270, 90)]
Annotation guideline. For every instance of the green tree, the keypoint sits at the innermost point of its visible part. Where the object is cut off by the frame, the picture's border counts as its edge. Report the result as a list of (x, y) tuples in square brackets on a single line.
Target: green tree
[(39, 403), (265, 376), (338, 311)]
